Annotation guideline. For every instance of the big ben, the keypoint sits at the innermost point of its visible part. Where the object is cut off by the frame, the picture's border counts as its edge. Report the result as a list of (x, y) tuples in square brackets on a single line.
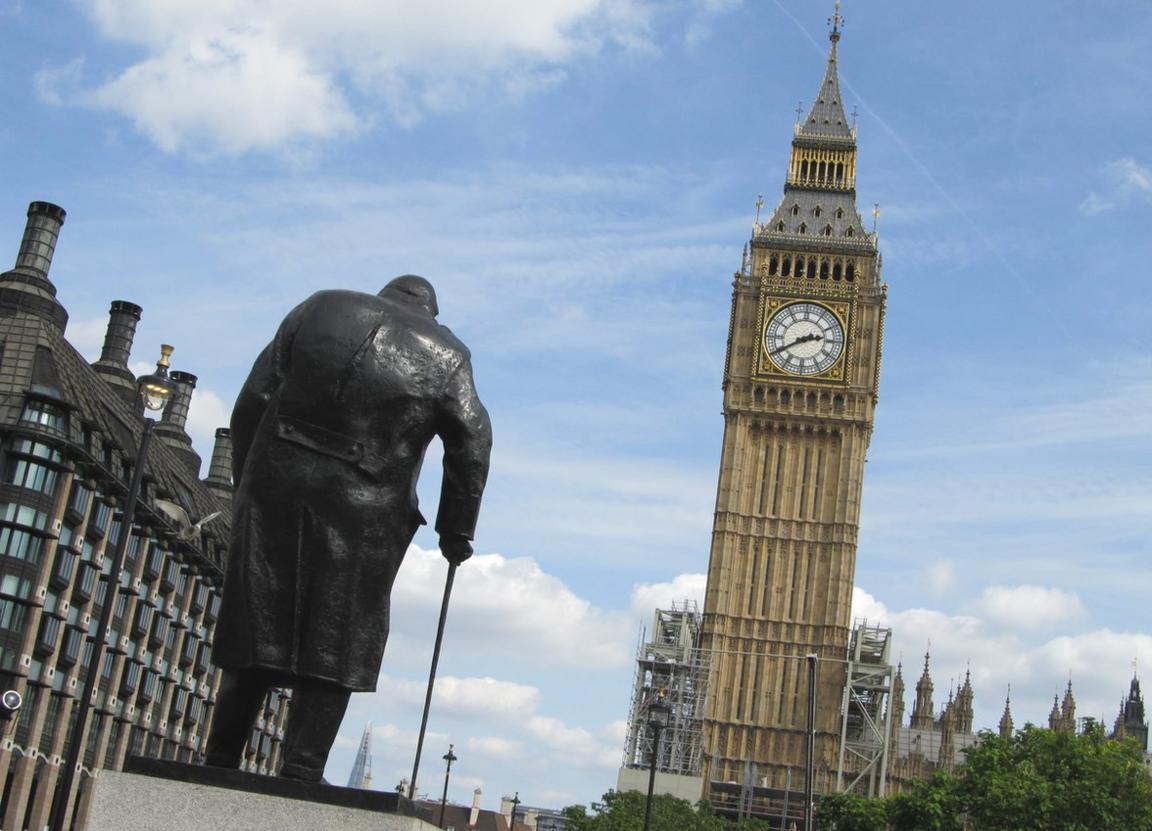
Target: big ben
[(800, 391)]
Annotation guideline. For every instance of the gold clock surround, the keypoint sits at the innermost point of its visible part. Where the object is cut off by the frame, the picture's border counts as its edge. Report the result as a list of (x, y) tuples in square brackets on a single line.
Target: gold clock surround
[(840, 373)]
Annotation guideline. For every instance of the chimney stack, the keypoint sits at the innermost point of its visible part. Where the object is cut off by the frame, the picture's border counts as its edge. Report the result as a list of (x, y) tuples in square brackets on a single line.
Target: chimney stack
[(26, 288), (219, 479), (113, 364), (171, 430), (474, 817), (39, 243)]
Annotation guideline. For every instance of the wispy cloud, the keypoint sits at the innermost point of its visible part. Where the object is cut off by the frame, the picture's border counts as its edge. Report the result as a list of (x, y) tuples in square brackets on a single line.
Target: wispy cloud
[(1126, 180)]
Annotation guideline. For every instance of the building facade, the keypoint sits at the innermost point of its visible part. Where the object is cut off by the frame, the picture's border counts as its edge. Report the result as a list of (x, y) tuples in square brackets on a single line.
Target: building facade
[(69, 434), (800, 391)]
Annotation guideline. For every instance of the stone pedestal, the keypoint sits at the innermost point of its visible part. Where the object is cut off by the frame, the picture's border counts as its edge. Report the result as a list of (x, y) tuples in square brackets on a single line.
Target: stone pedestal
[(150, 795)]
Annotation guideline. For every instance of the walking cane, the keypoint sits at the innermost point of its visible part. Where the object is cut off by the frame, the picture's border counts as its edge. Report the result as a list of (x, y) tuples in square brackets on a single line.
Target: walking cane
[(432, 677)]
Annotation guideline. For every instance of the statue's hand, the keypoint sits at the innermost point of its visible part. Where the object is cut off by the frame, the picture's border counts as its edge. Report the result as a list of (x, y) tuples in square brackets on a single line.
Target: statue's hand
[(455, 549)]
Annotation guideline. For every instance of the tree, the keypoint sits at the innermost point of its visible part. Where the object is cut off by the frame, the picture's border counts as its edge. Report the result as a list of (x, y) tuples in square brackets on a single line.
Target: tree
[(624, 811), (1053, 781), (926, 806), (851, 812)]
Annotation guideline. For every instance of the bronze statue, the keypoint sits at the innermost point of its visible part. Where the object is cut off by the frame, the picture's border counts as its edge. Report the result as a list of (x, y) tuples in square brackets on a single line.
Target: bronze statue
[(329, 434)]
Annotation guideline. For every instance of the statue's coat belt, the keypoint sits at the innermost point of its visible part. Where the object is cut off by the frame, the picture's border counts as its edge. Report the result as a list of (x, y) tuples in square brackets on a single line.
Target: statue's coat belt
[(329, 443)]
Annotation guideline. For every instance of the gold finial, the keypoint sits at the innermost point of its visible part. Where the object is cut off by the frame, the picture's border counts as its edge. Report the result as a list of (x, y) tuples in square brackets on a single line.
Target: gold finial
[(836, 21), (165, 353), (759, 205), (875, 215)]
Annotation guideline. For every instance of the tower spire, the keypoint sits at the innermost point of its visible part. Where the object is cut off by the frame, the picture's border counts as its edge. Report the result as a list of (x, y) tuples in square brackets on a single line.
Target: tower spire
[(835, 21)]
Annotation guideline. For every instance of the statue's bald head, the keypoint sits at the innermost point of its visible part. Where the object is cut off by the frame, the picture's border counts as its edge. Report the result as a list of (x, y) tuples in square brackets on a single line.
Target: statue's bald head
[(412, 290)]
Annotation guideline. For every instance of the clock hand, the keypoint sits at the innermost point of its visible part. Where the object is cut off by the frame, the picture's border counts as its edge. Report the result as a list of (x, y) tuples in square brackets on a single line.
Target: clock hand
[(802, 339)]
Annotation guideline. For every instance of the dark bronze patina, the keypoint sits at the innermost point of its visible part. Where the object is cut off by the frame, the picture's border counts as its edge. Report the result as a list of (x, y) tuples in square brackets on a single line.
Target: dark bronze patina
[(329, 434)]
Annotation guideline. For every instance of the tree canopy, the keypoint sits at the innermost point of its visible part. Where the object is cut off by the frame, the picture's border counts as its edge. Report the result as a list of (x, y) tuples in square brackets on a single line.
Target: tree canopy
[(1036, 780)]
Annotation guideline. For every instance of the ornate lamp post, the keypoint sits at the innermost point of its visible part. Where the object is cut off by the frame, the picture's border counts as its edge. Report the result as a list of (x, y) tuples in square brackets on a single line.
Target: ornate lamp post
[(512, 816), (658, 714), (448, 757), (155, 392)]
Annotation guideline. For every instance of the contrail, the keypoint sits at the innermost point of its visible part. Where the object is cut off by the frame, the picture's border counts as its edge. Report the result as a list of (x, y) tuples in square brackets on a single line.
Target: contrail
[(1005, 262)]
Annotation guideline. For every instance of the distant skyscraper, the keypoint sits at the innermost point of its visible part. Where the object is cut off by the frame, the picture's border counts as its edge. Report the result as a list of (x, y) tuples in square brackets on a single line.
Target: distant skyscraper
[(362, 768)]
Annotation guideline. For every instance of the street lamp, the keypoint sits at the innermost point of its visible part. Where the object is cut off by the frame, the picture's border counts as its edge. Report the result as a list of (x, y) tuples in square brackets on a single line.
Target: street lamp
[(512, 816), (448, 757), (658, 715), (155, 392)]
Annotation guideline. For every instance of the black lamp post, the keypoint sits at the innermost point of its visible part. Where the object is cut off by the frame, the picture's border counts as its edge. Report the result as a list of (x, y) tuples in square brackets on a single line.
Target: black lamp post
[(448, 757), (155, 391), (512, 816), (658, 715)]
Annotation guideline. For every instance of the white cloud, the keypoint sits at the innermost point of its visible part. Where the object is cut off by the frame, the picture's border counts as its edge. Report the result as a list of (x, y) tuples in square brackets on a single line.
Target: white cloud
[(1126, 180), (466, 697), (501, 601), (55, 85), (1096, 661), (206, 413), (578, 745), (647, 597), (229, 77), (494, 746), (474, 696), (235, 91), (940, 577), (87, 336), (1030, 607)]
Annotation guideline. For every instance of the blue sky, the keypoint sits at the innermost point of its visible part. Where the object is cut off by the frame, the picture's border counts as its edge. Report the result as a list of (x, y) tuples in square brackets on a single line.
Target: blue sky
[(578, 178)]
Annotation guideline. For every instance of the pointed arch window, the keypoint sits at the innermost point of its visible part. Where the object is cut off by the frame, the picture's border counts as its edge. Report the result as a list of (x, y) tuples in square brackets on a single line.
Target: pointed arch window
[(824, 270), (850, 232), (779, 226), (839, 213), (795, 210), (816, 211), (803, 229), (827, 230), (786, 270), (773, 264), (851, 273)]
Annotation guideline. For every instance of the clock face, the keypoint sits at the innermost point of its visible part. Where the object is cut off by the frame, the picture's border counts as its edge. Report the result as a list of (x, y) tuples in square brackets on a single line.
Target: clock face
[(804, 338)]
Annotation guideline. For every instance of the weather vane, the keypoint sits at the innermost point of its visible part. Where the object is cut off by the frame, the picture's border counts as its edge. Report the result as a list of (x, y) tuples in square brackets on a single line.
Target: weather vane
[(759, 205), (875, 217)]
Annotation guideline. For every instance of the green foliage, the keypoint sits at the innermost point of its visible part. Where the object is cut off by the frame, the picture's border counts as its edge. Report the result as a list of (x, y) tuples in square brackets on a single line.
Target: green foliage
[(1040, 780), (850, 812), (926, 806), (1037, 780), (624, 811)]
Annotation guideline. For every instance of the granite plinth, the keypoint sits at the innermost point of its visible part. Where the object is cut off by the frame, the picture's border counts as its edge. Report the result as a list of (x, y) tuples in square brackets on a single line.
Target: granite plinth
[(151, 794)]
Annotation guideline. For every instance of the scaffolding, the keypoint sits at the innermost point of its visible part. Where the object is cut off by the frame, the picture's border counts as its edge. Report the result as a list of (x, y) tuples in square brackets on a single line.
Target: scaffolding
[(669, 665), (863, 766)]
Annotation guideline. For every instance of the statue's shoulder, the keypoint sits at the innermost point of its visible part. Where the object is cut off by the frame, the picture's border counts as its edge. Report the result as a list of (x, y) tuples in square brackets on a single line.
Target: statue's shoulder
[(452, 342)]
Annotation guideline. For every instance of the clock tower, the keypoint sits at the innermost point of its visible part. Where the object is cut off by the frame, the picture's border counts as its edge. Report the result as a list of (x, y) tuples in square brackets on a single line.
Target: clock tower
[(800, 391)]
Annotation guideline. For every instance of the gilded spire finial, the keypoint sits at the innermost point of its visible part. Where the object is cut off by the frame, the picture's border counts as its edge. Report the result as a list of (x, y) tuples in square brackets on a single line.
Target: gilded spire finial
[(835, 21)]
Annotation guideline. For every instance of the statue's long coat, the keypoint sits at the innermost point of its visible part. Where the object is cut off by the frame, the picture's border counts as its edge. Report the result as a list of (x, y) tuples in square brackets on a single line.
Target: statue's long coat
[(329, 433)]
